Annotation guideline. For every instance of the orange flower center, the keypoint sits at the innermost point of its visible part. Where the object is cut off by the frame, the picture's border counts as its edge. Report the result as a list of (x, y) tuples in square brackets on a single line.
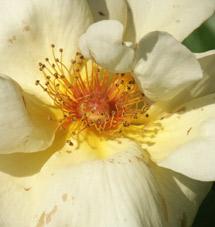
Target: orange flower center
[(90, 96)]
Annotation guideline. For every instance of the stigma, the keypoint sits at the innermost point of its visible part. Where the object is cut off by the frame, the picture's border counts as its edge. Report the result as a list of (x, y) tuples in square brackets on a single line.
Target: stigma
[(89, 96)]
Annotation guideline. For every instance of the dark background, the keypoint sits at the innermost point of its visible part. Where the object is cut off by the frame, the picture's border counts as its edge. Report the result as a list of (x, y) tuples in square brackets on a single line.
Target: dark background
[(201, 40)]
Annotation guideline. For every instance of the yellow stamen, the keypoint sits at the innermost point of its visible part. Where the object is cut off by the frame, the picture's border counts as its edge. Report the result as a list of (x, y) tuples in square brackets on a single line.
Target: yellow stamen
[(90, 97)]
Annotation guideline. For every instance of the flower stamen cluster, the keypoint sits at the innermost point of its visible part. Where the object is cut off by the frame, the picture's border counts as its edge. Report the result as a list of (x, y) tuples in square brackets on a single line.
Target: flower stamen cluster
[(90, 96)]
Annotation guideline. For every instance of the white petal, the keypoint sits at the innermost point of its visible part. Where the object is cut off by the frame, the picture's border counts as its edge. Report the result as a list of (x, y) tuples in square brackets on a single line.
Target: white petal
[(164, 66), (109, 9), (24, 122), (203, 87), (178, 17), (103, 41), (206, 85), (181, 194), (29, 27), (186, 142), (121, 191)]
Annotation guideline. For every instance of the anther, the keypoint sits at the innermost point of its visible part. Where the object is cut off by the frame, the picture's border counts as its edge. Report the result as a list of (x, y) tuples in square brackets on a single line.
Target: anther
[(126, 124), (37, 82), (131, 82)]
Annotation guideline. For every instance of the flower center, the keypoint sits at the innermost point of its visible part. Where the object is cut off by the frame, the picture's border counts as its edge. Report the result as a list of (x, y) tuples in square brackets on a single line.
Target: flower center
[(91, 97)]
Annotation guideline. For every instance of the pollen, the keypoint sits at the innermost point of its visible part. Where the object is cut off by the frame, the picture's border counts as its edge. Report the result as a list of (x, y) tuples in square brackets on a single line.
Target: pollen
[(89, 96)]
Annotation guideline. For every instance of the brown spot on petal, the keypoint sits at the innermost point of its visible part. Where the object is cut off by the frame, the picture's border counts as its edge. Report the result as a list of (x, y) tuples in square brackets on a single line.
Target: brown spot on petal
[(64, 197), (50, 215), (188, 131), (27, 28), (41, 222), (23, 99), (101, 13), (12, 39), (46, 218), (27, 189)]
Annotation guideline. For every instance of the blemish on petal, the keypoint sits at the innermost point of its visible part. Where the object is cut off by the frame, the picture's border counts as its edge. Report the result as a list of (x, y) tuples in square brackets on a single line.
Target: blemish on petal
[(26, 28), (12, 39), (27, 189), (50, 215), (188, 131), (41, 222), (101, 13), (64, 197), (119, 141)]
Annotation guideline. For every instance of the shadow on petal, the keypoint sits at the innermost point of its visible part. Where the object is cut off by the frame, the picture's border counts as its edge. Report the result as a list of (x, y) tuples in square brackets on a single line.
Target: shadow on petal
[(28, 164), (182, 195)]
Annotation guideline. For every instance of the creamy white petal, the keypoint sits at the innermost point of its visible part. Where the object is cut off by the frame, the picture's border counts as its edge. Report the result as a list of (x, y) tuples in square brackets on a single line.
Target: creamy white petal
[(178, 17), (25, 124), (206, 85), (164, 67), (29, 27), (109, 9), (182, 196), (185, 142), (103, 41), (121, 191), (203, 87)]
